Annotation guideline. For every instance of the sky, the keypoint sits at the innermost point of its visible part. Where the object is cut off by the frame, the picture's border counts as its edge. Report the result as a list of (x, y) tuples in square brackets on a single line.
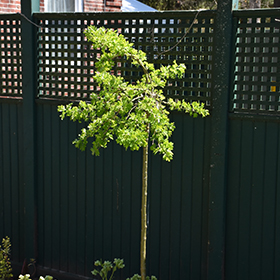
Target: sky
[(135, 6)]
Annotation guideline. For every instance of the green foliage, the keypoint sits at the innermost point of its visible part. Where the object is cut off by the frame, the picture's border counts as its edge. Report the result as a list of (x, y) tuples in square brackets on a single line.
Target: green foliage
[(106, 267), (24, 277), (129, 113), (250, 4), (200, 4), (27, 277), (5, 264), (181, 4), (138, 277)]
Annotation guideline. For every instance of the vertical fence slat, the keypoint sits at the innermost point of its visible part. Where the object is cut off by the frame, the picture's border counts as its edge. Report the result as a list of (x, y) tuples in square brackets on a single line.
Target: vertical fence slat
[(125, 209), (197, 196), (90, 204), (98, 206), (64, 204), (55, 186), (135, 211), (272, 150), (154, 191), (165, 221), (47, 186), (40, 181), (233, 194), (81, 213), (257, 200), (116, 187), (15, 178), (7, 171), (72, 214), (276, 241), (176, 187), (245, 200), (186, 207), (2, 163), (108, 205)]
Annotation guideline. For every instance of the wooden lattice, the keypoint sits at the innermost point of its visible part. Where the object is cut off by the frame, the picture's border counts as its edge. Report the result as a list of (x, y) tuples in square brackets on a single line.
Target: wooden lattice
[(66, 60), (10, 67), (256, 63)]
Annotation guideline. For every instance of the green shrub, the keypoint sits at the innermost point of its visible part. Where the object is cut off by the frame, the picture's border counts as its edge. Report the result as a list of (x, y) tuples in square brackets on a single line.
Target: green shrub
[(138, 277), (106, 267), (5, 263)]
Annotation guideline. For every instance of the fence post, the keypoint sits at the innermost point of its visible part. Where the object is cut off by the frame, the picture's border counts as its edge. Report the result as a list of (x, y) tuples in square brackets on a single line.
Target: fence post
[(219, 120), (29, 156)]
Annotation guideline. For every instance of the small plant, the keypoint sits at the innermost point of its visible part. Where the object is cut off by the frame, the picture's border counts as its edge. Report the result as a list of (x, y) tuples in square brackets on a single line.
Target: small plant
[(138, 277), (107, 267), (5, 264), (27, 277)]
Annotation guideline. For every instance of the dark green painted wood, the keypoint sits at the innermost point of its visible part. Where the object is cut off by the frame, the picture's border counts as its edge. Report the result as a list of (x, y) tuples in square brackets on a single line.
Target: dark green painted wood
[(245, 200), (205, 193), (154, 202), (186, 207), (256, 201), (15, 178), (233, 193), (197, 184), (125, 208), (218, 168), (165, 220), (7, 171), (98, 207), (107, 245), (89, 208), (175, 198), (55, 187), (136, 170), (11, 211), (116, 200), (90, 217), (40, 181), (28, 92), (2, 209), (64, 204), (269, 199), (72, 191), (47, 186), (81, 215), (251, 226), (276, 240)]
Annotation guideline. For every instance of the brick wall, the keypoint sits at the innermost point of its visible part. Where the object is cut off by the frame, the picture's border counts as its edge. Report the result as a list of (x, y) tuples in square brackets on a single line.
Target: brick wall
[(13, 6), (9, 6), (98, 5), (42, 6)]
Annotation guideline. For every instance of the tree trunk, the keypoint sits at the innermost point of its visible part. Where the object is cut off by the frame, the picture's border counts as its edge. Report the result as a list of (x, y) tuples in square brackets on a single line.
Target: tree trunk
[(276, 3), (144, 213), (255, 4)]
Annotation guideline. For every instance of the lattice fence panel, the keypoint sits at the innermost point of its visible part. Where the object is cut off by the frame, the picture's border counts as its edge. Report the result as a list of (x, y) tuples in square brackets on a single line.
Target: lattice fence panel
[(257, 63), (10, 67), (66, 60)]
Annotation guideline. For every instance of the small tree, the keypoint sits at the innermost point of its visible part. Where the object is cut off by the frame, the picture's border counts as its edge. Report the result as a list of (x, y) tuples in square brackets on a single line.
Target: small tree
[(132, 114)]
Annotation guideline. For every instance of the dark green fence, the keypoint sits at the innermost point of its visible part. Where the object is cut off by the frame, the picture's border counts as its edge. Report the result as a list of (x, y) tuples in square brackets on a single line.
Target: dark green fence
[(213, 211)]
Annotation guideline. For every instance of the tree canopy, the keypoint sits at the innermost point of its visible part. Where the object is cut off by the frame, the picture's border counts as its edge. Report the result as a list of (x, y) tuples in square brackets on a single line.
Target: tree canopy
[(203, 4)]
